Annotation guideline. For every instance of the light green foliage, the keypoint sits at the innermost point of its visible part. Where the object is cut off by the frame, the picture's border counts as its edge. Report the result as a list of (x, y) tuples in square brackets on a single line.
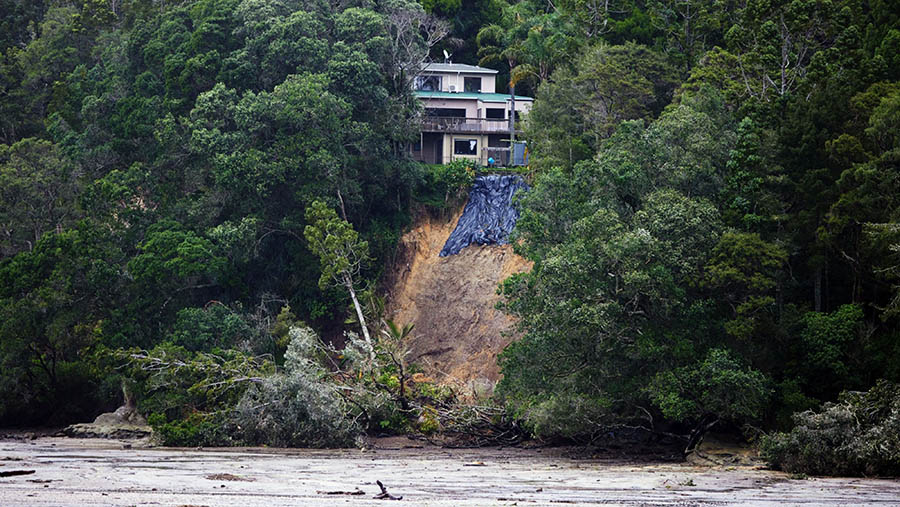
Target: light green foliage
[(188, 395), (857, 435), (280, 331), (341, 255), (340, 251), (236, 240), (718, 385), (454, 178), (300, 407), (394, 348)]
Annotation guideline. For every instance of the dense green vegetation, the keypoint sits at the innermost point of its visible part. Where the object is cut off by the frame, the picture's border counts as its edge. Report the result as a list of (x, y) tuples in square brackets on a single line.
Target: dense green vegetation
[(713, 220), (187, 186), (157, 163)]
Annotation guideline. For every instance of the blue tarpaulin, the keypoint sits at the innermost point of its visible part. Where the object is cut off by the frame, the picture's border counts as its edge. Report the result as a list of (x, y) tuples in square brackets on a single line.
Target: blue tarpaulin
[(489, 215)]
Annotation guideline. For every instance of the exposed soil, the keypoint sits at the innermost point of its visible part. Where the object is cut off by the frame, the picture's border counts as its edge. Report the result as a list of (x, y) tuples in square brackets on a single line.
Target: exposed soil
[(105, 472), (451, 300)]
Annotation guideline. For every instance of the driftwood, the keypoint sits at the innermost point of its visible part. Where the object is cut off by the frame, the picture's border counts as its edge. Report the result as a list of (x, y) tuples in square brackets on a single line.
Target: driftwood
[(384, 495), (24, 472), (355, 492)]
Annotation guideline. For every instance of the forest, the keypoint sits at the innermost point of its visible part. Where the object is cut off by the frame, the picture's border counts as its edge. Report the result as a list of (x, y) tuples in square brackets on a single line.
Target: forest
[(199, 199)]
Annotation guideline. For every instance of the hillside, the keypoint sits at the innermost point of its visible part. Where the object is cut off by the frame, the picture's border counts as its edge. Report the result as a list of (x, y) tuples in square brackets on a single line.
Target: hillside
[(451, 300)]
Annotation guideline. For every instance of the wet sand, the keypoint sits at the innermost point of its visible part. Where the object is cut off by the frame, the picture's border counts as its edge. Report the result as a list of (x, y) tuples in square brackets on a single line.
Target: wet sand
[(108, 472)]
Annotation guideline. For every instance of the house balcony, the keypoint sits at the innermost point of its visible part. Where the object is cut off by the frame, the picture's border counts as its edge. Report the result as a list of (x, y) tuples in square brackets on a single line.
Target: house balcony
[(465, 125)]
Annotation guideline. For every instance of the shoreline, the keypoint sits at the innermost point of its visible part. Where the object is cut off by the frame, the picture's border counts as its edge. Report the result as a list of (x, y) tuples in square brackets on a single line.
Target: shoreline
[(116, 472)]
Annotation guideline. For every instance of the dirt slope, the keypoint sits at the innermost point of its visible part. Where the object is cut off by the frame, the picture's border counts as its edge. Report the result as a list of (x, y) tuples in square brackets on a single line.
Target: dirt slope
[(458, 332)]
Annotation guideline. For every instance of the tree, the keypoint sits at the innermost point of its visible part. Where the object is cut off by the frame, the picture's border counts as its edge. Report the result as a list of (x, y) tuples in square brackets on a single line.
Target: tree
[(341, 255), (744, 269), (393, 345), (56, 301), (775, 44), (580, 107), (687, 25), (497, 43), (712, 390), (38, 192), (613, 301), (412, 33)]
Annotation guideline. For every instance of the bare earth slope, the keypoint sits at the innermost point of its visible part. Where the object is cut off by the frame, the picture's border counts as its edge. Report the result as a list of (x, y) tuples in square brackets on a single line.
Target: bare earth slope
[(451, 300)]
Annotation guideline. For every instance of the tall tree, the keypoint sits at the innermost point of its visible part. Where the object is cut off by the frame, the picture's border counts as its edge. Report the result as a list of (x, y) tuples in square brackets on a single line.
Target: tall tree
[(341, 255)]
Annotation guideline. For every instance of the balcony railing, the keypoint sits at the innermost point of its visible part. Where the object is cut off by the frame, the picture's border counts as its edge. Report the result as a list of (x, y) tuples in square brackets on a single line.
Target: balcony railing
[(464, 125)]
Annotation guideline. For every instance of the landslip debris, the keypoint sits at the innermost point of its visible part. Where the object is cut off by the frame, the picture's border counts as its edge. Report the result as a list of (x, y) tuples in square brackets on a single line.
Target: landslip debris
[(489, 216)]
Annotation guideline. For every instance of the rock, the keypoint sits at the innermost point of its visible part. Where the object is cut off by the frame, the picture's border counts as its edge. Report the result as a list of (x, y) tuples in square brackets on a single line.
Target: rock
[(120, 432), (716, 452), (124, 415), (124, 424)]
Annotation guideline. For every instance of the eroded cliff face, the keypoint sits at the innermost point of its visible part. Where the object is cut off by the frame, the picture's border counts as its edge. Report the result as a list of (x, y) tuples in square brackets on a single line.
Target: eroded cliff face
[(451, 299)]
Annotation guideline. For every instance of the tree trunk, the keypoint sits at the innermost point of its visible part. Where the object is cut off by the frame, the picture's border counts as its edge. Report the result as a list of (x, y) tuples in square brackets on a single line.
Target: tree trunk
[(343, 210), (362, 319), (512, 118), (817, 290), (706, 423)]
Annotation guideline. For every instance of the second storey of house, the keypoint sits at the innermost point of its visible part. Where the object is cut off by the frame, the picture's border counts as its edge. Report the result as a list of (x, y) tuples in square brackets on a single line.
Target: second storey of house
[(463, 98)]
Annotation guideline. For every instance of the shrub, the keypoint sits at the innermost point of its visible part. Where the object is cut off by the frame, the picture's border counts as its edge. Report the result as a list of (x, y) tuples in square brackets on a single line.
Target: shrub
[(298, 408), (196, 429), (295, 410), (188, 395), (857, 435)]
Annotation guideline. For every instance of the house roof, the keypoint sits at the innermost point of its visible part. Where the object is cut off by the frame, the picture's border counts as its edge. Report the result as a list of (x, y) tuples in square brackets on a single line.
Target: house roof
[(484, 97), (456, 67)]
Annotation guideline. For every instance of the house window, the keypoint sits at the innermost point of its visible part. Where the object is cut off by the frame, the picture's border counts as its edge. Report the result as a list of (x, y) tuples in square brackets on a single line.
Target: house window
[(428, 83), (441, 112), (417, 146), (495, 113), (472, 84), (465, 147)]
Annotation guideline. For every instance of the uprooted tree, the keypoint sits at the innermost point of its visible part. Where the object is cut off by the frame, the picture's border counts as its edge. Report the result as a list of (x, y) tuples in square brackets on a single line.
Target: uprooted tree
[(341, 254)]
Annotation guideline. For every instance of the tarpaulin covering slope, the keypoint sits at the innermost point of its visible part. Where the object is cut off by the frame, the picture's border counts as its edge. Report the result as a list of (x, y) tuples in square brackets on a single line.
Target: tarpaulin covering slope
[(489, 216)]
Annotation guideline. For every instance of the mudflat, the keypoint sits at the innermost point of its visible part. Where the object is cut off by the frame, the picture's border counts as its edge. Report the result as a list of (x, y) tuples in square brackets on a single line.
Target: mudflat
[(111, 472)]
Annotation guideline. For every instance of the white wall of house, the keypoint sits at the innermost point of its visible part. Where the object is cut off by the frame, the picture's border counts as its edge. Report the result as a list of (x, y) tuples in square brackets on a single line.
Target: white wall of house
[(476, 108), (470, 105), (479, 157), (456, 81), (522, 106)]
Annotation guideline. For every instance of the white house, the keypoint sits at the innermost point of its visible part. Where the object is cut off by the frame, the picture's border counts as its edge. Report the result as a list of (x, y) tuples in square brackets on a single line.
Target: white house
[(464, 116)]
